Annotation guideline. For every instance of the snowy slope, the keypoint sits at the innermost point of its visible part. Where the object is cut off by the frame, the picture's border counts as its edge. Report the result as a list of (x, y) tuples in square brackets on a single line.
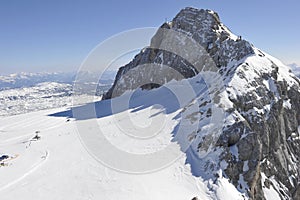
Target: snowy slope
[(295, 69), (58, 167)]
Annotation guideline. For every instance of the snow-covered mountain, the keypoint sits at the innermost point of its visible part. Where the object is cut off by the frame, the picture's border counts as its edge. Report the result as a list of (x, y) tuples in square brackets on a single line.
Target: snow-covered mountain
[(257, 147), (39, 97), (228, 111), (27, 92), (25, 79)]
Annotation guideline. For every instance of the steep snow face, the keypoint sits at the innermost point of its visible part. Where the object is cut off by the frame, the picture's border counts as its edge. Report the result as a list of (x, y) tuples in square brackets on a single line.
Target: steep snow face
[(256, 72)]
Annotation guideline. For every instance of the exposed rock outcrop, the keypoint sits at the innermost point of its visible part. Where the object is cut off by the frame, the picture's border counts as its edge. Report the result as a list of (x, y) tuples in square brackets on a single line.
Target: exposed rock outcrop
[(205, 28), (259, 147)]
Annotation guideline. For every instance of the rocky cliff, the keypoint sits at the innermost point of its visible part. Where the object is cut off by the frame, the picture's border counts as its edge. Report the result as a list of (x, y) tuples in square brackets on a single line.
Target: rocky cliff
[(258, 147)]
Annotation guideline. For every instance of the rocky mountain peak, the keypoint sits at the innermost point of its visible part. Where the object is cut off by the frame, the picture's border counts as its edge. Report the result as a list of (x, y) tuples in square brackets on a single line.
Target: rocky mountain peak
[(205, 19), (202, 26), (259, 145), (205, 27)]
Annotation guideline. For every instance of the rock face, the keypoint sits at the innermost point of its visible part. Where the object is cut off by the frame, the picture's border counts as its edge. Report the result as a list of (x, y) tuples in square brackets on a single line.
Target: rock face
[(259, 146), (202, 26)]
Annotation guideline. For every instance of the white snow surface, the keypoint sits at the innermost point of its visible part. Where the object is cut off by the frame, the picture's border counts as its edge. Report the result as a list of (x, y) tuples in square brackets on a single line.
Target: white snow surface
[(58, 166), (295, 69), (270, 193), (254, 67)]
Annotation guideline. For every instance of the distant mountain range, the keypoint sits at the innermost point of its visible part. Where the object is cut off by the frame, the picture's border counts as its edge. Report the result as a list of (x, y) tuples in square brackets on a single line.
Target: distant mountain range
[(30, 79), (25, 79), (27, 92)]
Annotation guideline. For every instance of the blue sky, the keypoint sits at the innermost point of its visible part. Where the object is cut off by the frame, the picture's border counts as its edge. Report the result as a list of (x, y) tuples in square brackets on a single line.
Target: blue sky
[(53, 35)]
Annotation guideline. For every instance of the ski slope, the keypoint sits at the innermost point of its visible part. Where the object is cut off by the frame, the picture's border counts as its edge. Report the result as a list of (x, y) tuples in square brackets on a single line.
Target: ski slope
[(58, 166)]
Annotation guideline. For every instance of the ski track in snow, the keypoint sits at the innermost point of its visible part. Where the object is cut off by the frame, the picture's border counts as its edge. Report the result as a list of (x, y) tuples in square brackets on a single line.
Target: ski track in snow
[(34, 168)]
